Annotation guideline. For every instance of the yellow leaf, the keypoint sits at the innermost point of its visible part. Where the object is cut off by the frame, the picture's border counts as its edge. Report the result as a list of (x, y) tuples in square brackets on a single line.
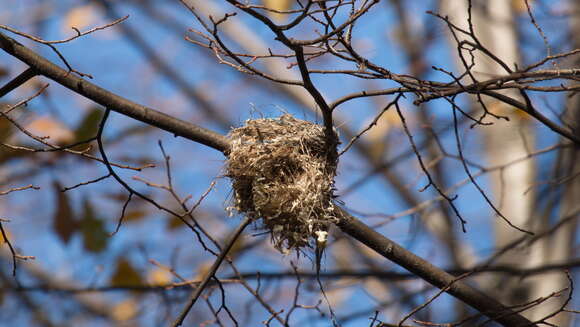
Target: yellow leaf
[(125, 310), (80, 17), (502, 109), (203, 270), (2, 240), (159, 277), (279, 5), (376, 136), (520, 5)]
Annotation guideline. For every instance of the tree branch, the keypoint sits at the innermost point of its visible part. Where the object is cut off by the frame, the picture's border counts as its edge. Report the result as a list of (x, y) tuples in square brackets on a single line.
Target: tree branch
[(17, 81), (112, 101), (435, 276), (212, 271)]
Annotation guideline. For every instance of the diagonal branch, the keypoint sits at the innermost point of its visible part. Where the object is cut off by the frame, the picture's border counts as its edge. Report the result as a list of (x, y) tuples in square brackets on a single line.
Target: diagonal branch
[(428, 272), (112, 101), (17, 81), (212, 271), (176, 77)]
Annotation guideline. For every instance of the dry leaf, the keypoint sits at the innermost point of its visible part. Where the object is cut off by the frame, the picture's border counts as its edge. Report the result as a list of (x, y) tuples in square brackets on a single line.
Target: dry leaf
[(279, 5), (376, 136), (6, 129), (125, 310), (63, 221), (54, 129), (174, 223), (159, 277), (4, 71), (89, 125), (388, 120), (80, 17), (95, 238), (502, 109), (203, 269), (2, 240), (134, 215), (520, 5), (126, 275)]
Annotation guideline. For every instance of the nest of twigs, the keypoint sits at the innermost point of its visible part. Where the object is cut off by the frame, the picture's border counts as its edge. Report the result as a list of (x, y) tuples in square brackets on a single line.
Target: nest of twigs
[(282, 175)]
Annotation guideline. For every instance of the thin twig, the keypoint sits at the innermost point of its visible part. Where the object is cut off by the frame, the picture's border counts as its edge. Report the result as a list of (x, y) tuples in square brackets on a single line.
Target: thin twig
[(211, 273)]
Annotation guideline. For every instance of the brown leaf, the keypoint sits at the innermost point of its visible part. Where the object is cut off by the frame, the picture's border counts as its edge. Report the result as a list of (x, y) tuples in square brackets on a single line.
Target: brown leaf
[(6, 129), (126, 275), (95, 238), (174, 223), (120, 197), (63, 221), (88, 127), (6, 132), (4, 71), (134, 215)]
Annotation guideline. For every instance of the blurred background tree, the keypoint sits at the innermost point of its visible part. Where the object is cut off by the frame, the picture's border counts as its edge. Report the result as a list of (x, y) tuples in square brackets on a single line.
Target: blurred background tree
[(458, 127)]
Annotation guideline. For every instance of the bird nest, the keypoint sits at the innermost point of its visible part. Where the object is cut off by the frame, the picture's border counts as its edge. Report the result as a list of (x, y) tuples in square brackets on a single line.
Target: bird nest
[(282, 173)]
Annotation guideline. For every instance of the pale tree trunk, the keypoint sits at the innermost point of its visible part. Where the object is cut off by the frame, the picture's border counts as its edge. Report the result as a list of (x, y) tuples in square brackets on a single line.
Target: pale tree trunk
[(440, 221), (505, 141), (559, 247)]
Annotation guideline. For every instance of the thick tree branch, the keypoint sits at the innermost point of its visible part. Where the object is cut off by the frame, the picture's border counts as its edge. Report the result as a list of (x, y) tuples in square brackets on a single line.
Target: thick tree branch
[(175, 76), (112, 101), (534, 113), (435, 276), (17, 81)]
